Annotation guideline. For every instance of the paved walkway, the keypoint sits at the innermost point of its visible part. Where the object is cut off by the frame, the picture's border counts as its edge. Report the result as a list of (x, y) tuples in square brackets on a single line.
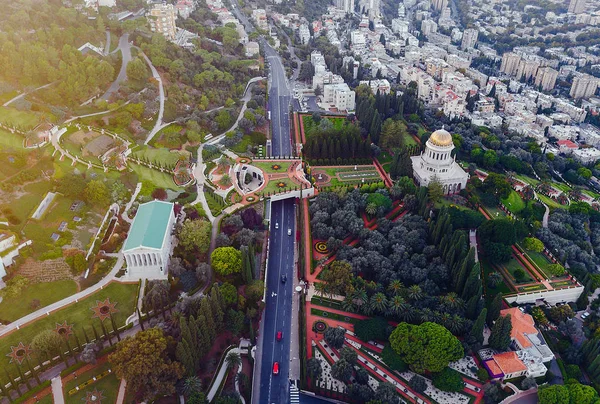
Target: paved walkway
[(122, 390), (7, 103), (125, 214), (161, 94), (125, 48), (219, 377), (57, 390)]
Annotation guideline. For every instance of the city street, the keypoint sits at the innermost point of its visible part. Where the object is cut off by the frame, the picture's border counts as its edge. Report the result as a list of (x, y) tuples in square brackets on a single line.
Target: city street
[(279, 104), (278, 311)]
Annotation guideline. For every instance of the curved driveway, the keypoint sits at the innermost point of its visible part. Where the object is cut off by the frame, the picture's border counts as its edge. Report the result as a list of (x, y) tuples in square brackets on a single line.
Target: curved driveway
[(125, 48)]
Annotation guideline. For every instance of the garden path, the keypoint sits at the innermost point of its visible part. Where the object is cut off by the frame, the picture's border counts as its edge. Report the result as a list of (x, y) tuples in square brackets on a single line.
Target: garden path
[(57, 390)]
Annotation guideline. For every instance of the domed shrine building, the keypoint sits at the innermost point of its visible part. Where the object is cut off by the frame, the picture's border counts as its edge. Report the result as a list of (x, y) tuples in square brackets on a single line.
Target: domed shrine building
[(437, 163)]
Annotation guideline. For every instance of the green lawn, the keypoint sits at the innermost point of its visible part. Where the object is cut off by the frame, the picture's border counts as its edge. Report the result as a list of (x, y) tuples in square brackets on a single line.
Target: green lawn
[(163, 156), (47, 293), (4, 97), (108, 385), (551, 202), (502, 287), (158, 178), (78, 314), (514, 203), (562, 187), (542, 261), (273, 188), (527, 180), (267, 166), (11, 140), (347, 174), (409, 140), (308, 122), (334, 316), (512, 265), (20, 119)]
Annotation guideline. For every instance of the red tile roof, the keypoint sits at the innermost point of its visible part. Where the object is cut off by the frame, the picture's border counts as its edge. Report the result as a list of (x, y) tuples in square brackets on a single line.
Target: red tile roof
[(509, 362), (521, 324)]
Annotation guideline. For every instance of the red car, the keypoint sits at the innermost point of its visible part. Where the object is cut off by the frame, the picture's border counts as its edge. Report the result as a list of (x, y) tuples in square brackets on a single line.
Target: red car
[(276, 368), (279, 335)]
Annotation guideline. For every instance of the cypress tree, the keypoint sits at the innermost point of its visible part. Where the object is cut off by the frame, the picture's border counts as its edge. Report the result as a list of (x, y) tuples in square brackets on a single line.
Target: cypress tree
[(32, 370), (115, 328), (141, 319), (95, 333), (205, 311), (472, 306), (106, 334), (87, 340), (13, 384), (184, 354), (461, 279), (494, 309), (478, 326), (217, 305), (23, 378)]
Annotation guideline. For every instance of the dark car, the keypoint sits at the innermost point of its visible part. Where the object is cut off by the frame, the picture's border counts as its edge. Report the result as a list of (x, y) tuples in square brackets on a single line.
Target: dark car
[(283, 278)]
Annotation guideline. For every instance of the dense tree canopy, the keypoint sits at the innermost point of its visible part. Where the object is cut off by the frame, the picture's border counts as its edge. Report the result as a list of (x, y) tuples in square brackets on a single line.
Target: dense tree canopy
[(226, 260), (143, 360), (426, 347)]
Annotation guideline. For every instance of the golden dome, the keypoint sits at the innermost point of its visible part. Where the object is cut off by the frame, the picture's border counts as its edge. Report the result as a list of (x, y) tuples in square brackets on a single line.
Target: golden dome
[(441, 137)]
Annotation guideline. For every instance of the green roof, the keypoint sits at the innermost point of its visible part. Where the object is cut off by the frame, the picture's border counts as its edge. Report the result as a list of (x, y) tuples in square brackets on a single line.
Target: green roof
[(149, 226)]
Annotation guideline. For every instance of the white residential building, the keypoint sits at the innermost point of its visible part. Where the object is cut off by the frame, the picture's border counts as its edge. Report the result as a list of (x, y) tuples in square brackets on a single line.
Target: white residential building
[(259, 16), (304, 34), (383, 86), (162, 20), (469, 38), (340, 96), (586, 155)]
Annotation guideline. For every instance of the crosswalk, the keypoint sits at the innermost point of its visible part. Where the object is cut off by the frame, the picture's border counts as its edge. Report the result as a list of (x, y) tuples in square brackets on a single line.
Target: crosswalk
[(294, 394)]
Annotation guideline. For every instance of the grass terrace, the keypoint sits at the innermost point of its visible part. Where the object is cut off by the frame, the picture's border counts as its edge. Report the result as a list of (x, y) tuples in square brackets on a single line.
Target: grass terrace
[(78, 314), (11, 140), (333, 316), (107, 385), (551, 202), (526, 179), (502, 287), (512, 266), (20, 119), (514, 203), (345, 175), (12, 309), (162, 156), (156, 177), (267, 166), (338, 122), (542, 262)]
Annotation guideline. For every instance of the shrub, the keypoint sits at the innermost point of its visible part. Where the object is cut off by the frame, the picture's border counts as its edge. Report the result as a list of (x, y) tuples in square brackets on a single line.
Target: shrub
[(448, 380)]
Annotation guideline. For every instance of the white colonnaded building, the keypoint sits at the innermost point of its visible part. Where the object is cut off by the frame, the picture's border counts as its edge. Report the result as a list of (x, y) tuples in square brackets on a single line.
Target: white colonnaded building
[(148, 245), (437, 163)]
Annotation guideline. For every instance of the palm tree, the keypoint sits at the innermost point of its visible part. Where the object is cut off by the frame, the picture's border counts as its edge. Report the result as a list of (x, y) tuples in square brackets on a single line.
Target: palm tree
[(414, 293), (225, 180), (379, 302), (313, 367), (395, 287), (452, 301), (320, 288), (348, 304), (192, 385), (494, 279), (409, 313), (359, 298), (427, 315), (446, 319), (397, 305), (456, 325), (371, 209), (233, 360)]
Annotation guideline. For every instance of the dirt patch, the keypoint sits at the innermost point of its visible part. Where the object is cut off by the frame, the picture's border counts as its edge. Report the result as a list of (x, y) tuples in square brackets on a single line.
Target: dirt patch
[(98, 146), (45, 271), (81, 138)]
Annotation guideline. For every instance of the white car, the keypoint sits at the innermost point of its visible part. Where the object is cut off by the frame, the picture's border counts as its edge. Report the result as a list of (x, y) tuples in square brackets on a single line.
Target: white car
[(585, 315), (276, 225), (289, 232)]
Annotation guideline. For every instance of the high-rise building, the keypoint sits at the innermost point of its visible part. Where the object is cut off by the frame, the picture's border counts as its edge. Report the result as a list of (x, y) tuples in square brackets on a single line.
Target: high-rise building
[(162, 20), (510, 63), (439, 4), (546, 78), (469, 38), (584, 86), (527, 68), (577, 6), (345, 5), (428, 27)]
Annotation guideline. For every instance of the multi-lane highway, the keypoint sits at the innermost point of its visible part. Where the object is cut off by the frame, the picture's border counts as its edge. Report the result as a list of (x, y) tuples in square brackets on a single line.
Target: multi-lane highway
[(279, 104), (278, 310)]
